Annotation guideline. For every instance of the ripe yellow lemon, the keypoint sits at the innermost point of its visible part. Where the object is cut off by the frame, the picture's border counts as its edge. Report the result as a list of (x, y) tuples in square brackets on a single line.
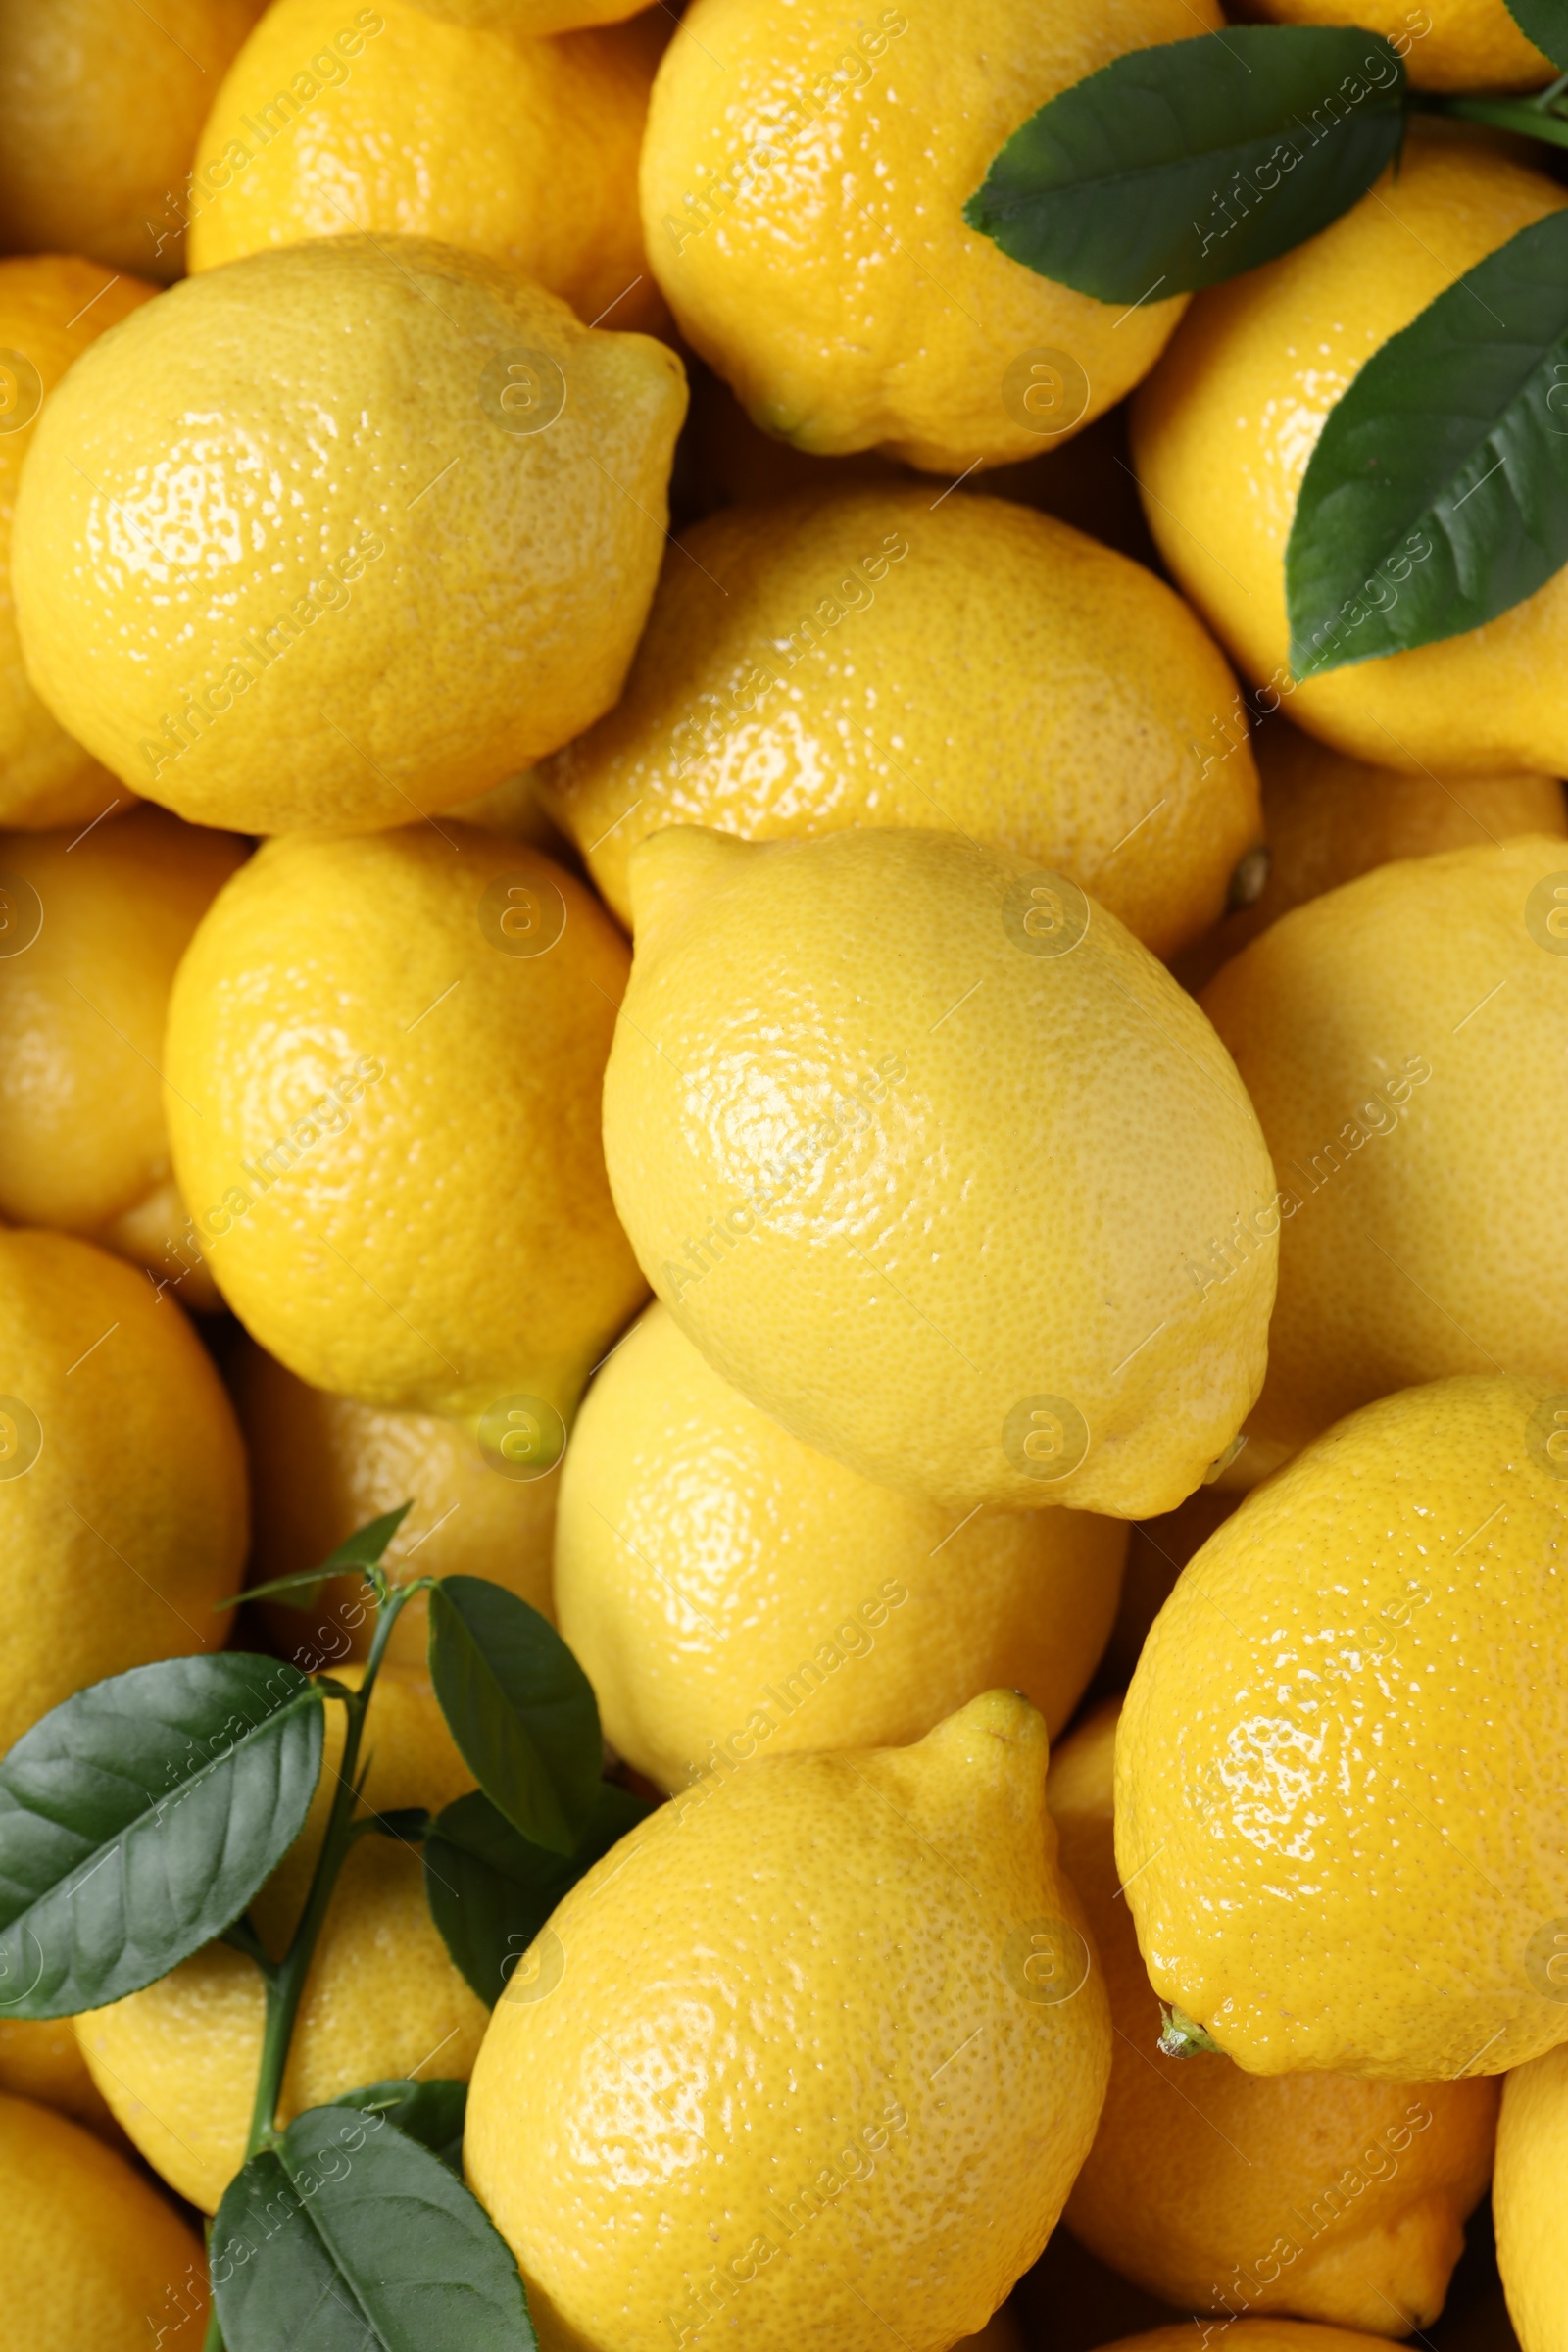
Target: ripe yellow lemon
[(724, 1587), (882, 1117), (1224, 428), (387, 121), (1529, 2201), (90, 2252), (451, 583), (178, 2061), (383, 1060), (40, 2058), (1226, 2192), (122, 1477), (50, 310), (1253, 2336), (1446, 45), (1401, 1040), (323, 1466), (825, 662), (692, 2104), (533, 16), (803, 193), (102, 105), (1337, 1783), (99, 922)]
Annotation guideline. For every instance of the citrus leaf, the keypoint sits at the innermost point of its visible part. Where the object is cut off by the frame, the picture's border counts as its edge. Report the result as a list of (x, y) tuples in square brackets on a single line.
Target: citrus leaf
[(1437, 496), (362, 1549), (432, 2113), (520, 1706), (346, 2235), (1545, 23), (1178, 166), (491, 1890), (138, 1819)]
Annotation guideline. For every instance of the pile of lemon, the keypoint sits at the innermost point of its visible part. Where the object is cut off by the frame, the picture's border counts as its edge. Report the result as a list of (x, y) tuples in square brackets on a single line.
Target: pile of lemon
[(484, 847)]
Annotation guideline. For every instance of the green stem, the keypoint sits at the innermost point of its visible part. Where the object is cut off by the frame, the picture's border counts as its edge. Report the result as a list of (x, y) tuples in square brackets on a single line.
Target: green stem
[(1527, 116)]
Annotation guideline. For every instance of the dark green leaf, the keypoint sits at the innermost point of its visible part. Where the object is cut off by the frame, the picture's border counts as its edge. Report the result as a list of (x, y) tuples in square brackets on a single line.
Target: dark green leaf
[(348, 2236), (407, 1824), (491, 1890), (1545, 23), (1178, 166), (364, 1551), (138, 1819), (1437, 496), (520, 1709), (430, 2112)]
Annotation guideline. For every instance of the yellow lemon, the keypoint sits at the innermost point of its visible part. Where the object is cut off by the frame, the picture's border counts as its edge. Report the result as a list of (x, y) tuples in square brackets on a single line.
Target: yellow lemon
[(1253, 2336), (1528, 2200), (383, 1060), (99, 921), (1402, 1042), (803, 192), (102, 104), (813, 2053), (323, 1466), (883, 1117), (122, 1477), (825, 662), (1337, 1768), (385, 121), (1446, 45), (723, 1587), (449, 586), (90, 2252), (50, 310), (40, 2058), (1317, 2194), (178, 2061), (533, 16), (1223, 430)]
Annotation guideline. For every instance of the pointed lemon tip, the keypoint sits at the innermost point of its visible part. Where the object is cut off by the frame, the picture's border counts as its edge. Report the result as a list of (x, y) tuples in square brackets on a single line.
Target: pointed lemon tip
[(1001, 1732)]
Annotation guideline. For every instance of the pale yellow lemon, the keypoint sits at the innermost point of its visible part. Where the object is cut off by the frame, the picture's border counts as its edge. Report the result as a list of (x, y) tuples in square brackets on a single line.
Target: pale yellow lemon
[(323, 1466), (342, 533), (1529, 2199), (852, 657), (383, 1060), (1315, 2194), (1339, 1765), (90, 2253), (486, 137), (726, 1590), (51, 308), (1403, 1042), (1223, 430), (916, 1141), (123, 1518), (1446, 45), (82, 1005), (803, 180), (40, 2058), (813, 2053)]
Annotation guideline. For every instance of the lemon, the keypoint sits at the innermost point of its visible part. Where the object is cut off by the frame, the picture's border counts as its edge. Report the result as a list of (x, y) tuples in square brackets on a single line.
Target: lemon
[(534, 17), (50, 310), (723, 1587), (803, 192), (1224, 428), (881, 1120), (82, 1005), (1401, 1040), (40, 2058), (383, 1064), (122, 1477), (693, 2104), (102, 104), (1528, 2197), (178, 2061), (518, 148), (1447, 44), (823, 662), (1253, 2335), (91, 2253), (1336, 1770), (323, 1466), (450, 585), (1225, 2192)]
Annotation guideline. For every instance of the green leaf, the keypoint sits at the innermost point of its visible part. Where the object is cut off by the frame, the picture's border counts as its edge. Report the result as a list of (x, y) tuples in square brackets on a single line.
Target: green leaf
[(346, 2235), (138, 1819), (1178, 166), (520, 1706), (1545, 23), (1437, 496), (432, 2113), (364, 1551), (490, 1889)]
